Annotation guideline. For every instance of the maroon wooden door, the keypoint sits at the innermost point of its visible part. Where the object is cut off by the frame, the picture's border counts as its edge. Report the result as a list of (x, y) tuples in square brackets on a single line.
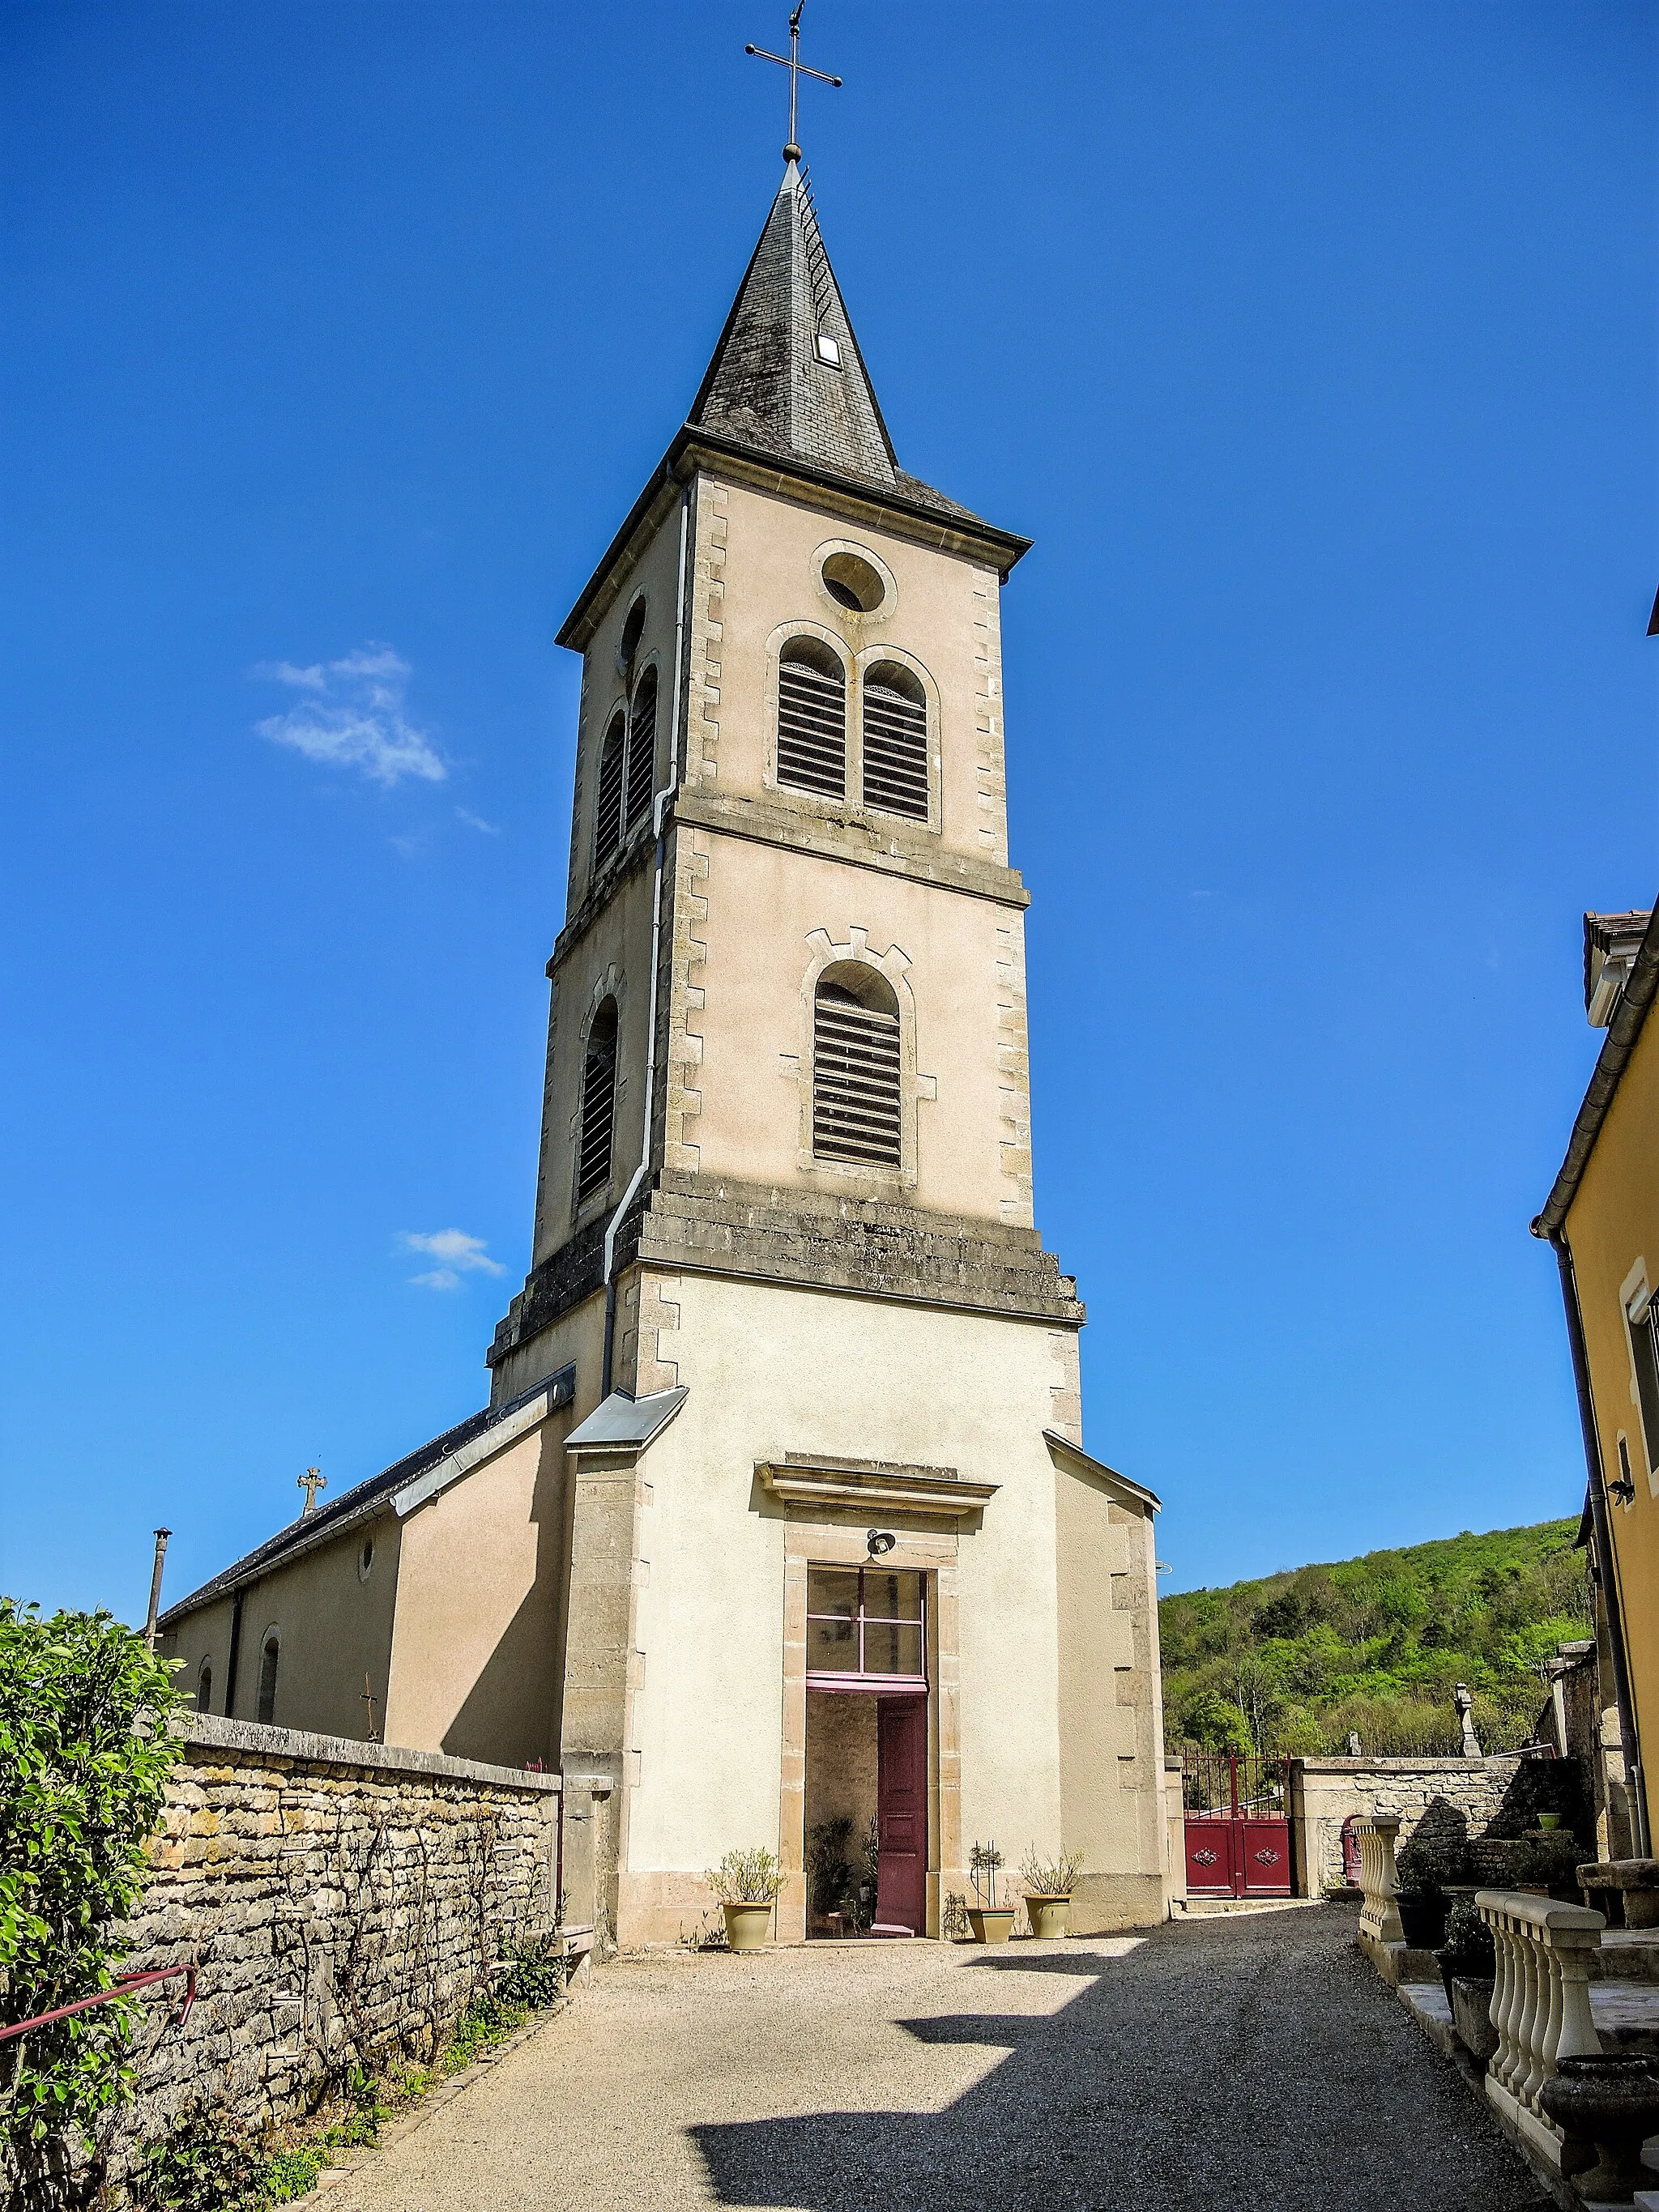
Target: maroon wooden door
[(902, 1813)]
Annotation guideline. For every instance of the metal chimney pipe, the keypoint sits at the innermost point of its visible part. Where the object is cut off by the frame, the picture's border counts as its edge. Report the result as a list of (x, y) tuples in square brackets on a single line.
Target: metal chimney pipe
[(162, 1535)]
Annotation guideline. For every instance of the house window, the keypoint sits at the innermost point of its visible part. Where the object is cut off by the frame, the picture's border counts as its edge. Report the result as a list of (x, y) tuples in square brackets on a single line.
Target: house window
[(811, 719), (642, 747), (268, 1653), (608, 822), (895, 741), (855, 1067), (1642, 1322), (598, 1104), (864, 1627), (204, 1687)]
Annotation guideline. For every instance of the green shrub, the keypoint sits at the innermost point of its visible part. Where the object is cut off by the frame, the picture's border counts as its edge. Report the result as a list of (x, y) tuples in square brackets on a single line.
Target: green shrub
[(84, 1757), (534, 1973), (752, 1877), (200, 2165)]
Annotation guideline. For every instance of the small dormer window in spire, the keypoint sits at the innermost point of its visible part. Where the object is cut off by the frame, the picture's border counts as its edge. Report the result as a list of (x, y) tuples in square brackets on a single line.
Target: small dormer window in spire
[(829, 351)]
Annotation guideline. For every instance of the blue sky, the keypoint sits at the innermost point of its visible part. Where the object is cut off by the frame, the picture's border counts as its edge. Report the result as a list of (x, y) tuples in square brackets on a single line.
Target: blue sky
[(1314, 347)]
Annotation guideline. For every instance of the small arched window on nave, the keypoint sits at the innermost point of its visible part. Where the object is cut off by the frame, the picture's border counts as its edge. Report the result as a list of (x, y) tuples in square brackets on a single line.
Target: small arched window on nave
[(599, 1110), (895, 741), (855, 1067), (204, 1687), (811, 719), (608, 819), (269, 1651), (642, 747)]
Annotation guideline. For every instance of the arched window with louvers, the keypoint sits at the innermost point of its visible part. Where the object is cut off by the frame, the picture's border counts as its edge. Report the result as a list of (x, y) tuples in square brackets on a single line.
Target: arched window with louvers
[(608, 815), (811, 719), (856, 1107), (642, 747), (596, 1124), (895, 732)]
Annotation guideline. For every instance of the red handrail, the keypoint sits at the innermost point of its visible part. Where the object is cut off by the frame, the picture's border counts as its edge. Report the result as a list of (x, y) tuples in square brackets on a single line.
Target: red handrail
[(124, 1983)]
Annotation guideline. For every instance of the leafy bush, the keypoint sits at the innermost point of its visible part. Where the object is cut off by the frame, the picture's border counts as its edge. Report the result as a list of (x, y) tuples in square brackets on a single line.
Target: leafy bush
[(535, 1971), (829, 1877), (1469, 1949), (84, 1757), (200, 2165), (752, 1877)]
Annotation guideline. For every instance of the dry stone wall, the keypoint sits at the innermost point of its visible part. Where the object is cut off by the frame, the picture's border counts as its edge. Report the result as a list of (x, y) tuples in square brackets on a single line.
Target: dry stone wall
[(1497, 1797), (341, 1900)]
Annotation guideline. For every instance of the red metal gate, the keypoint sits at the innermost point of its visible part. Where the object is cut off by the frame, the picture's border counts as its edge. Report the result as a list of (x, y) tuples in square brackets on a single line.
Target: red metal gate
[(1238, 1826)]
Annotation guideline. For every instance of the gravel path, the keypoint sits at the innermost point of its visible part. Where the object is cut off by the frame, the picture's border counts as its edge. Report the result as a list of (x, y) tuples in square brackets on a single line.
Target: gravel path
[(1252, 2063)]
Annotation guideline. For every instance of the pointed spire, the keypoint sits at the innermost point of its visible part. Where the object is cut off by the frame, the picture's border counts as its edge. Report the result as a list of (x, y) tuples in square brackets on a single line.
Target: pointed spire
[(787, 377)]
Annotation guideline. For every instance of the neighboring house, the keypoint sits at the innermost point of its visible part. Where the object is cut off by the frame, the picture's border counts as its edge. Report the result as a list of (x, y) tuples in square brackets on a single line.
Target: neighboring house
[(1602, 1217), (779, 1516)]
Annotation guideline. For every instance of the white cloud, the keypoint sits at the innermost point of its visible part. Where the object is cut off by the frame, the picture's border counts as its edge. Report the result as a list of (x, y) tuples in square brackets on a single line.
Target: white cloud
[(351, 715), (477, 821), (457, 1253)]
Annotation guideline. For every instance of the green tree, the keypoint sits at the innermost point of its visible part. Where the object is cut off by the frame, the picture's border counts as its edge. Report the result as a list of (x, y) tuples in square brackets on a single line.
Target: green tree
[(84, 1756)]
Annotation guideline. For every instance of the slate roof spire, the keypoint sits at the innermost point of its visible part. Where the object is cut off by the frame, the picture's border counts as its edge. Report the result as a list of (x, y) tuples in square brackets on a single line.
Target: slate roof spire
[(788, 377)]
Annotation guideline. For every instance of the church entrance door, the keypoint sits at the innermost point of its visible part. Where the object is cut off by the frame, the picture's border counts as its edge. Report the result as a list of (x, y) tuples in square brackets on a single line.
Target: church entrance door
[(902, 1814)]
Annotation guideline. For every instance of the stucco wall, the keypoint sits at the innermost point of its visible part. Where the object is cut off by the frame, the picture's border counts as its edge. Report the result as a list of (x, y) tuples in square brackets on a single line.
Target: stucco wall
[(476, 1662), (334, 1630), (1612, 1227), (773, 1371)]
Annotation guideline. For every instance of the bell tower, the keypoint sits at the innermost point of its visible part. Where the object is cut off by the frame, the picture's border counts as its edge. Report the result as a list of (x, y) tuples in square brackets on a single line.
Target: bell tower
[(784, 1213)]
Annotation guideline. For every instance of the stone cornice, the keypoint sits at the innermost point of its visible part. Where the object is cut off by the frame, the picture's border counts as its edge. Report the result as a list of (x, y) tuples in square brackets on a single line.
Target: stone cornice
[(939, 1492), (887, 850)]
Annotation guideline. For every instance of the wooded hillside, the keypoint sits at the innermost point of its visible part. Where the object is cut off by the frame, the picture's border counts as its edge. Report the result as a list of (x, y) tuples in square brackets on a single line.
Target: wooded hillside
[(1294, 1661)]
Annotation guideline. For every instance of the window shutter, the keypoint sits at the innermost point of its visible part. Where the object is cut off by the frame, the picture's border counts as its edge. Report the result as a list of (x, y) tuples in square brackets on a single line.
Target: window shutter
[(855, 1079), (598, 1104), (895, 743), (811, 726), (607, 834), (643, 748)]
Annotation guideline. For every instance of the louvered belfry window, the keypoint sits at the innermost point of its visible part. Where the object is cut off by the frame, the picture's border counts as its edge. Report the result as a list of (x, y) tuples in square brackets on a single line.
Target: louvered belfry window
[(607, 834), (895, 742), (598, 1104), (811, 719), (855, 1068), (642, 747)]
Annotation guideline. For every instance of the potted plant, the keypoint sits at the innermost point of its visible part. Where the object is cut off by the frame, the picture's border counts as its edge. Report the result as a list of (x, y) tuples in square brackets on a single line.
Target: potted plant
[(1469, 1969), (991, 1922), (747, 1885), (1049, 1886), (1422, 1868)]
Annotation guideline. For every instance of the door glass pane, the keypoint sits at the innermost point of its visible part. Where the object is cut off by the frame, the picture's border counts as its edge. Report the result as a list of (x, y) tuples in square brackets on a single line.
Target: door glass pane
[(833, 1589), (891, 1595), (832, 1646), (892, 1647)]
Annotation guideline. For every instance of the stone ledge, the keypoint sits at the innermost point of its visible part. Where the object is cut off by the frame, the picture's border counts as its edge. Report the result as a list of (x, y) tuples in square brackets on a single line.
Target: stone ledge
[(212, 1731)]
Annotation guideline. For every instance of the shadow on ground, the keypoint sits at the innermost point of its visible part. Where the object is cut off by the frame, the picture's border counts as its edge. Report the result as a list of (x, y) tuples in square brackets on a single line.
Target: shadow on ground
[(1255, 2064)]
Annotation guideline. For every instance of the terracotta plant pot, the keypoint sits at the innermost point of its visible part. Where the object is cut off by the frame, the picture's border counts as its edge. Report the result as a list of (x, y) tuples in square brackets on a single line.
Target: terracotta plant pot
[(1613, 2103), (991, 1924), (1049, 1914), (748, 1926)]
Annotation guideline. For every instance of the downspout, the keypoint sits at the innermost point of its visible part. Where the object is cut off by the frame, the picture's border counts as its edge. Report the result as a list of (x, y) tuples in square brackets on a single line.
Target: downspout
[(664, 800), (1605, 1558)]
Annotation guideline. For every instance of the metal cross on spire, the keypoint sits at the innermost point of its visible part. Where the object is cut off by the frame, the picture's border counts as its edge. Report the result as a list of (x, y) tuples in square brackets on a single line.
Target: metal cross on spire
[(797, 69)]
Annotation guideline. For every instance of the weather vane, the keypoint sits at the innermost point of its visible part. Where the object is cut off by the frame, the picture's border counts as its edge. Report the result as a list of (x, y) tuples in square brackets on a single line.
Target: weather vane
[(797, 69)]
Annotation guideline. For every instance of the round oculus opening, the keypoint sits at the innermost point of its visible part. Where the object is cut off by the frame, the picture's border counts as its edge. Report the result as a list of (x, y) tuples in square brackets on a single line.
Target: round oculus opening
[(853, 582)]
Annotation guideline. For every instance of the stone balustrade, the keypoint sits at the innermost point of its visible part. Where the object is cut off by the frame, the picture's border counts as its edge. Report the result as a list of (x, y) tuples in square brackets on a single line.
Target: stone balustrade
[(1379, 1917), (1541, 2009)]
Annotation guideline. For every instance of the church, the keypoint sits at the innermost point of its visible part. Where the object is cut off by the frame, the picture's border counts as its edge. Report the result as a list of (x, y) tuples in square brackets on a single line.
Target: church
[(778, 1518)]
